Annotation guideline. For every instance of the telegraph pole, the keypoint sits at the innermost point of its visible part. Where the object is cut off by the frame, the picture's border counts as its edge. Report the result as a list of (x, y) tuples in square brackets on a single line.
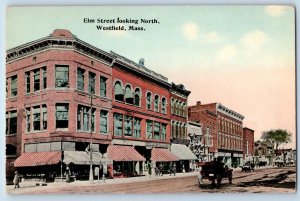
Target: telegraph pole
[(91, 175)]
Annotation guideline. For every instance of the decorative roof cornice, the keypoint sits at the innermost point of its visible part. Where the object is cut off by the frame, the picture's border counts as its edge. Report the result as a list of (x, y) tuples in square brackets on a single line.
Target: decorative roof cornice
[(229, 112), (55, 42)]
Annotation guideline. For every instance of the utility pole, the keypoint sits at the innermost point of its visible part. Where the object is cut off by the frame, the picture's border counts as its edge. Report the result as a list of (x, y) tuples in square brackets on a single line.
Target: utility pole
[(91, 175)]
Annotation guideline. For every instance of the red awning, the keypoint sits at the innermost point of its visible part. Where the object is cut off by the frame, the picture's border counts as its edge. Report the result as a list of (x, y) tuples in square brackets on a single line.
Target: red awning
[(38, 158), (123, 153), (161, 154)]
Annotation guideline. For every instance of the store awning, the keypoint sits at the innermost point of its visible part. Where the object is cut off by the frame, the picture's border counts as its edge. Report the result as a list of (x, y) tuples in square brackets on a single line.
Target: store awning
[(31, 159), (123, 153), (182, 152), (83, 158), (161, 154)]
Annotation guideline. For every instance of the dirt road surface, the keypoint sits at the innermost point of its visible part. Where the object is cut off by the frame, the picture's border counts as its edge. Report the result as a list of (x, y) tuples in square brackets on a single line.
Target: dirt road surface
[(275, 180)]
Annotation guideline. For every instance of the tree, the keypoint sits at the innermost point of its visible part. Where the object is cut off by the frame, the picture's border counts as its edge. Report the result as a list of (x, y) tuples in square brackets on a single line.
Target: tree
[(278, 136)]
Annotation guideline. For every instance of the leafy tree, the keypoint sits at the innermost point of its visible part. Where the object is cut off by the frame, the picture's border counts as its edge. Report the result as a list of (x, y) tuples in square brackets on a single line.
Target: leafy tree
[(278, 136)]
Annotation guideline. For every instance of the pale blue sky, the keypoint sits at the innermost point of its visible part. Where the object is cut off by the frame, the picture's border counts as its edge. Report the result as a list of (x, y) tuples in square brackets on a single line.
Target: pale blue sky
[(241, 56)]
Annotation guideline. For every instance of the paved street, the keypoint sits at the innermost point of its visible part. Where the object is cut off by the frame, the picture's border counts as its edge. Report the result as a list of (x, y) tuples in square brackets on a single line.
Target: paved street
[(262, 180)]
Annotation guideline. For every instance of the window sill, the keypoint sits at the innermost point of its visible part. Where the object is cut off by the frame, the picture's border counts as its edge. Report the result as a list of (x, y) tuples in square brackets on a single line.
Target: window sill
[(35, 131), (11, 135), (88, 132)]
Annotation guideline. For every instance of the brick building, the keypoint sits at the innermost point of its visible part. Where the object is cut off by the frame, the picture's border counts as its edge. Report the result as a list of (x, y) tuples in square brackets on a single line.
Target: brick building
[(48, 107), (63, 94), (223, 127), (248, 144)]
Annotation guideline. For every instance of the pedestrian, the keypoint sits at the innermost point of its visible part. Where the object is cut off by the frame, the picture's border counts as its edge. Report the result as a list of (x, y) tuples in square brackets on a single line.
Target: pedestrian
[(16, 180), (170, 168), (161, 167), (68, 174), (174, 169)]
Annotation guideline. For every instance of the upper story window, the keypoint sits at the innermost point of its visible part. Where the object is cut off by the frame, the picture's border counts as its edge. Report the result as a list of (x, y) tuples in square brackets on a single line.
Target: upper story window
[(163, 105), (103, 84), (172, 106), (156, 103), (14, 86), (85, 118), (118, 124), (61, 76), (11, 122), (149, 131), (62, 115), (92, 82), (38, 120), (80, 79), (155, 130), (137, 97), (128, 94), (118, 90), (39, 79), (148, 100)]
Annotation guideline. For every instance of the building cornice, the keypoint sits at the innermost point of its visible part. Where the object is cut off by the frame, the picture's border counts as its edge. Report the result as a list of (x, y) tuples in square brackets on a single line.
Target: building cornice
[(222, 109)]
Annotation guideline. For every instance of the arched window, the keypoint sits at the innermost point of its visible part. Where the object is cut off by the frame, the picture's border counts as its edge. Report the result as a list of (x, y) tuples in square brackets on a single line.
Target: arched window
[(184, 110), (119, 93), (172, 106), (11, 150), (156, 103), (163, 105), (128, 95), (148, 100), (180, 109), (137, 97)]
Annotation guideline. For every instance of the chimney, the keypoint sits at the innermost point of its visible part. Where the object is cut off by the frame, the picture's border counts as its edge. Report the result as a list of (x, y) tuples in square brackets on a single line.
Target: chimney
[(198, 102), (142, 62)]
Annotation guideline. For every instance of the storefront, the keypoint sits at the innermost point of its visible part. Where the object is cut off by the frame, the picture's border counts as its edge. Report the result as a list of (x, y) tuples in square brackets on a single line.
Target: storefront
[(127, 161), (185, 155), (162, 156)]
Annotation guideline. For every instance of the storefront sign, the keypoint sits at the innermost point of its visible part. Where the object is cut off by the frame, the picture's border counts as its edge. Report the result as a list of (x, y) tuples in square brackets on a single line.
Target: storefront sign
[(150, 145)]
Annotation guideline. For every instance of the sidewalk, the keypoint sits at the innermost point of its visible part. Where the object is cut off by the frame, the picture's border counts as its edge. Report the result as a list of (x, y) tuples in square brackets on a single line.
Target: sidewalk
[(28, 184)]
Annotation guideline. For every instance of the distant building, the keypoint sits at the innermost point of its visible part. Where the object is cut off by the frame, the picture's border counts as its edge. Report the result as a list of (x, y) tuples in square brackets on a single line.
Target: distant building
[(264, 151), (196, 139), (222, 129), (248, 144)]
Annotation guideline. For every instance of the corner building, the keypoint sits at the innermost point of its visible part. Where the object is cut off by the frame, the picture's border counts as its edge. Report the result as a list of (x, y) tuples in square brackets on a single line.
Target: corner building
[(58, 91), (63, 95), (227, 135)]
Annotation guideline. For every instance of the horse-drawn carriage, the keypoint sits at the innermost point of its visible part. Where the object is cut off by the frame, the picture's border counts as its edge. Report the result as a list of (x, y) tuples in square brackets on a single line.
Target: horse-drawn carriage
[(214, 170)]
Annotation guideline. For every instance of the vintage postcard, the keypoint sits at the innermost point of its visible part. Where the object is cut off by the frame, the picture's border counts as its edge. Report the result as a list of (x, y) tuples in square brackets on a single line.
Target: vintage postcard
[(150, 99)]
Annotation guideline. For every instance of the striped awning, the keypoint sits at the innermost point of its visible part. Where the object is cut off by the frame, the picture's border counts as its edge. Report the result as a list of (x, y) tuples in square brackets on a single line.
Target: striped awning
[(123, 153), (31, 159), (182, 152), (161, 154)]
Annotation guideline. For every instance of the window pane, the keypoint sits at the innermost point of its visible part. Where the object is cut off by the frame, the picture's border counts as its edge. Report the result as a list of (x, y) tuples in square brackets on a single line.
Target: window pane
[(44, 113), (92, 83), (149, 129), (27, 78), (118, 124), (44, 77), (148, 101), (61, 76), (36, 80), (103, 86), (103, 121), (128, 125), (13, 122), (86, 118), (137, 128), (156, 130), (62, 115), (163, 131), (80, 79), (28, 120), (13, 86), (36, 118)]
